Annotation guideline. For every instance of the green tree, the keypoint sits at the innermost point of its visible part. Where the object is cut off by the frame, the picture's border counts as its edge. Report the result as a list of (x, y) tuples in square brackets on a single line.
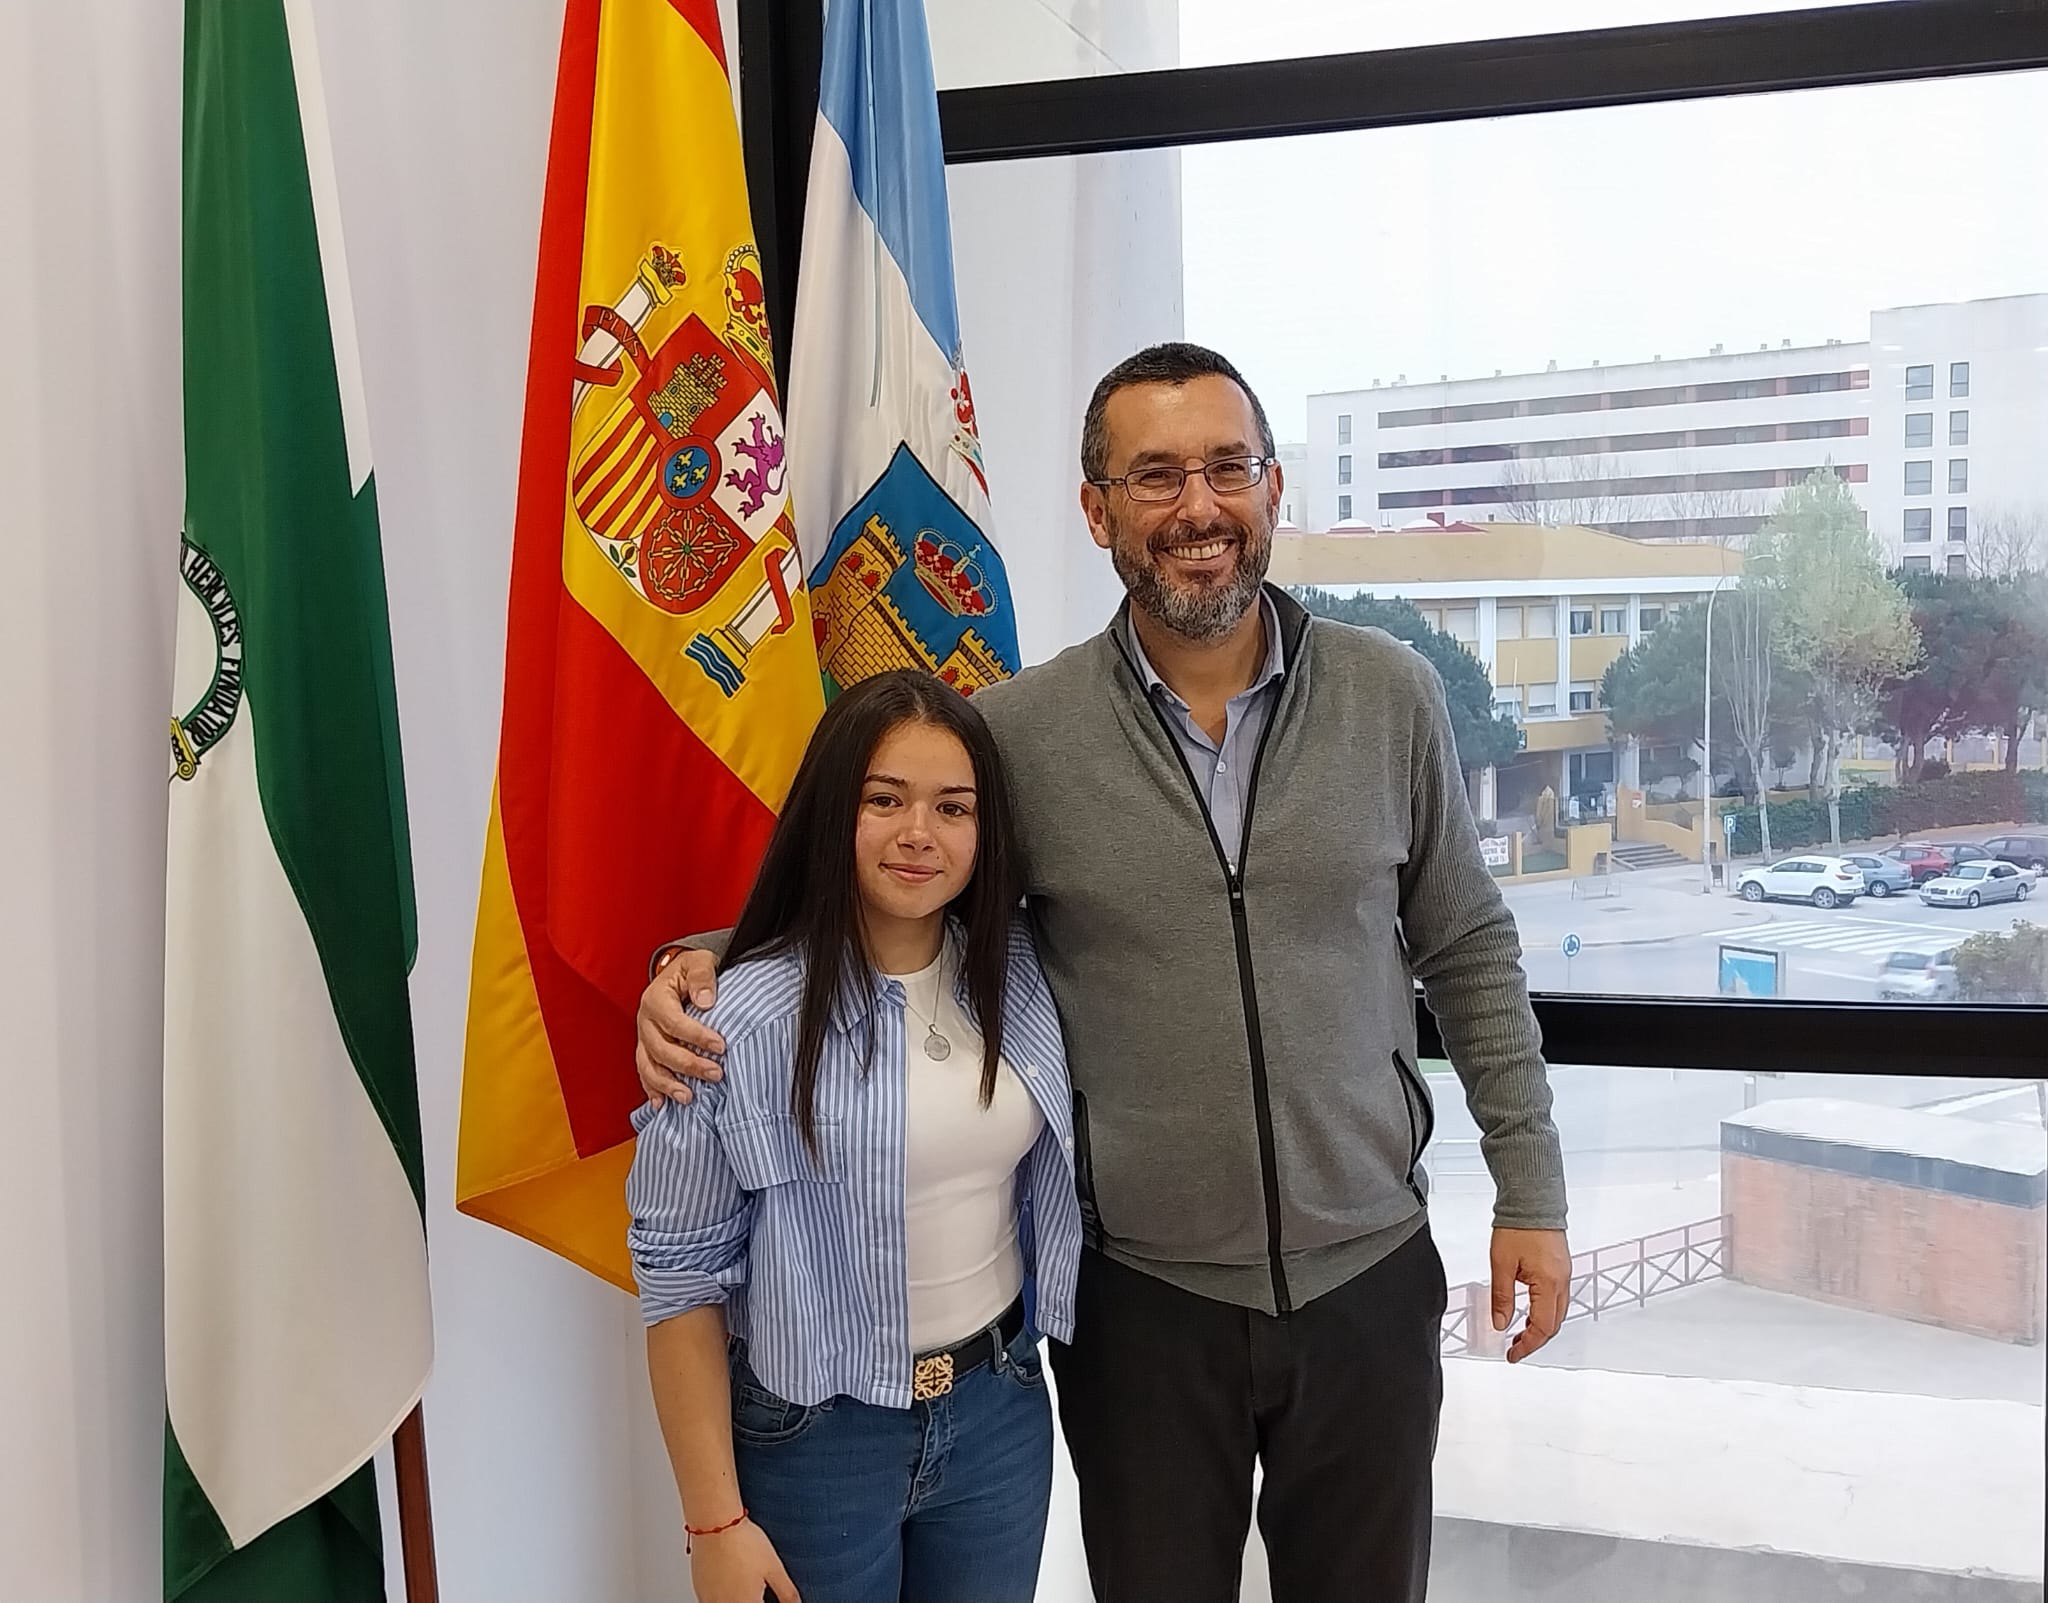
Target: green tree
[(1843, 626), (1961, 680), (1485, 736), (2010, 968), (1652, 691)]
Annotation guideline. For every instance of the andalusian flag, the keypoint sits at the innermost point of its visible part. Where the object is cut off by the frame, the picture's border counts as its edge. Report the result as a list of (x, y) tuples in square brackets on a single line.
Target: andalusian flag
[(661, 676), (296, 1326)]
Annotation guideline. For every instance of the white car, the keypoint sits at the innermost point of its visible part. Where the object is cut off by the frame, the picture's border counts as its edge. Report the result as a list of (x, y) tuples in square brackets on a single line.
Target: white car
[(1919, 976), (1974, 884), (1821, 881)]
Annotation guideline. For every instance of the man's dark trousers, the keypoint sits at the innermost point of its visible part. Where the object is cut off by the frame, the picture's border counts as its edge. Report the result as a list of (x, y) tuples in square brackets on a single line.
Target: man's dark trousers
[(1167, 1399)]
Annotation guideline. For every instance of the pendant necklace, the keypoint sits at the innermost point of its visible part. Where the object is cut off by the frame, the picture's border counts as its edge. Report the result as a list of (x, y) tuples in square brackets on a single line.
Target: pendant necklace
[(936, 1046)]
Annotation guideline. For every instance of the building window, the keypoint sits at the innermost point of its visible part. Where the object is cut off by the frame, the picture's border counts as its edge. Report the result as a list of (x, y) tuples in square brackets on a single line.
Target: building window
[(1919, 564), (1508, 701), (1959, 378), (1543, 700), (1959, 428), (1919, 478), (1582, 620), (1920, 383), (1650, 618), (1343, 509), (1959, 524), (1507, 625), (1958, 565), (1614, 620), (1919, 524), (1919, 430), (1343, 470), (1959, 475), (1432, 616), (1462, 624), (1582, 697), (1343, 428), (1540, 623)]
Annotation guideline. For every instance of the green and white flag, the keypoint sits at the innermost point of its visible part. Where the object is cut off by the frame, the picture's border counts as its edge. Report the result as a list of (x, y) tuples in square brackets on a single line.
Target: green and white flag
[(297, 1333)]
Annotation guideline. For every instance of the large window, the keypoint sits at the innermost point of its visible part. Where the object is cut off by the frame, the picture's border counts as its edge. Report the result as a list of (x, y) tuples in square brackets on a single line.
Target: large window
[(1806, 1355)]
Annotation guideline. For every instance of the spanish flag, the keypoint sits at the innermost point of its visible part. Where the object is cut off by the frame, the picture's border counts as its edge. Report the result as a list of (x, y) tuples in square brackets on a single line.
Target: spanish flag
[(661, 669)]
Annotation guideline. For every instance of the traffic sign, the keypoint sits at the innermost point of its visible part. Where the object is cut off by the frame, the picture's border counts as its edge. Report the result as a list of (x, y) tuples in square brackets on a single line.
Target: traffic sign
[(1728, 825), (1572, 946)]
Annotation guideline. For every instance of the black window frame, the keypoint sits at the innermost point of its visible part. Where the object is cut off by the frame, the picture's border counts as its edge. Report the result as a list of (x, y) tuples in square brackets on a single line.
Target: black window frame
[(1959, 426), (1918, 389), (1925, 489), (1958, 380), (1914, 515), (1891, 41), (1926, 433)]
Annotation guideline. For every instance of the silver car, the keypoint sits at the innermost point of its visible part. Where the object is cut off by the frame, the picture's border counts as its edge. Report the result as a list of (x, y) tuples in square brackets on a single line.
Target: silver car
[(1974, 884), (1882, 876), (1919, 977)]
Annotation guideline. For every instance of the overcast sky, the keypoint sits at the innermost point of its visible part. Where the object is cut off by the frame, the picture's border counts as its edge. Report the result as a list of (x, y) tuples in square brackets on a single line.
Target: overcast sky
[(1617, 235)]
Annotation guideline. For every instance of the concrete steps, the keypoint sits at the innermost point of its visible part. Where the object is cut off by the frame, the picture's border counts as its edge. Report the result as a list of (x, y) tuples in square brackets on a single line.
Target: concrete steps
[(1641, 854)]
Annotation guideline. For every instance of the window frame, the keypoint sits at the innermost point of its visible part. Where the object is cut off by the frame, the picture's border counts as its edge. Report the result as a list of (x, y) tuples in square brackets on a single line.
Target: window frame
[(1892, 41), (1959, 432), (1958, 380), (1926, 537), (1958, 475), (1926, 488), (1918, 389), (1925, 439)]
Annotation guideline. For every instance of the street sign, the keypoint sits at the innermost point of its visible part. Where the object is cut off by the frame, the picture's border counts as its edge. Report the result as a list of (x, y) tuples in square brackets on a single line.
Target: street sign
[(1571, 946), (1728, 826)]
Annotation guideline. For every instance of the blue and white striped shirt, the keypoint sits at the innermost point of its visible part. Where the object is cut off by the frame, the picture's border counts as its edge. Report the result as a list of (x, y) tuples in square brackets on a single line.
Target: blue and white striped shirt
[(808, 1252)]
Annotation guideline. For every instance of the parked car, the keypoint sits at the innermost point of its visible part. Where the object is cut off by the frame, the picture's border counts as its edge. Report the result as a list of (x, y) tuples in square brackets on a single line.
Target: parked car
[(1881, 875), (1930, 860), (2027, 851), (1974, 884), (1823, 881), (1919, 977)]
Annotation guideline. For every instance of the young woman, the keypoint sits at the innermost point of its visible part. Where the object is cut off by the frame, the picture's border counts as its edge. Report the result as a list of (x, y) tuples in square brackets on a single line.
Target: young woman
[(847, 1247)]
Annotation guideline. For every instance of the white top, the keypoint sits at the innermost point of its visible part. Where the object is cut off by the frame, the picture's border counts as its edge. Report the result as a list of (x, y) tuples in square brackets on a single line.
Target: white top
[(960, 1168)]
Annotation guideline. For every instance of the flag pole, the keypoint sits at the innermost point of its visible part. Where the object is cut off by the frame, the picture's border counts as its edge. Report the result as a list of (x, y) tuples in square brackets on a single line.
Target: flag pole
[(415, 1510)]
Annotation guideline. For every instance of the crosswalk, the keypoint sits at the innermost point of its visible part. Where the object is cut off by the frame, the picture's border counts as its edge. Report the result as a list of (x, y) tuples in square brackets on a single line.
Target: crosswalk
[(1868, 937)]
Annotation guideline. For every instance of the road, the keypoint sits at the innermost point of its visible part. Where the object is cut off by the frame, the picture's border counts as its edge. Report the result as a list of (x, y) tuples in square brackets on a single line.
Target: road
[(1663, 939)]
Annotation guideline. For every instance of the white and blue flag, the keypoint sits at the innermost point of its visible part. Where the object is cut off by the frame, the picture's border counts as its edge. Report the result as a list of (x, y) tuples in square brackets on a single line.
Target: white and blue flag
[(886, 480)]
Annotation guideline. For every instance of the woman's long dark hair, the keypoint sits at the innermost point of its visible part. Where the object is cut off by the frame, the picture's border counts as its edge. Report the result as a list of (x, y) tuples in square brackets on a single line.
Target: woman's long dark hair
[(806, 898)]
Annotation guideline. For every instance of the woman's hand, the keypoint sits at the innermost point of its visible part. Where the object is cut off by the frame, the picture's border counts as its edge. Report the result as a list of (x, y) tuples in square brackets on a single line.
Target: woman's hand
[(737, 1566)]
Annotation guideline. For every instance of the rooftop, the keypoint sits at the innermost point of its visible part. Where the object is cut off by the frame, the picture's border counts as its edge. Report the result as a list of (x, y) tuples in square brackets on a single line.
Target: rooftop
[(1485, 552)]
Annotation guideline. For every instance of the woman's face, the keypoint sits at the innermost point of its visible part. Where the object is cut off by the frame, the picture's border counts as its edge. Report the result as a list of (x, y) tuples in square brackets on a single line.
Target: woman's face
[(914, 844)]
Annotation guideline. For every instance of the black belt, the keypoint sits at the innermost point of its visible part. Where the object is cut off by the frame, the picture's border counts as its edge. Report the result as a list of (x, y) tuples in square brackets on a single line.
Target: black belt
[(933, 1375)]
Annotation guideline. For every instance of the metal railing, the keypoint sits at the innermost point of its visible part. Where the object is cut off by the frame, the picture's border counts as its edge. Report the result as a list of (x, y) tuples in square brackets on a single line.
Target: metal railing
[(1625, 1275)]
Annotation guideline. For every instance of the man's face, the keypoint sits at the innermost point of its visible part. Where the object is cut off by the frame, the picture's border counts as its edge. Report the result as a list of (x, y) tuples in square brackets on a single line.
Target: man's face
[(1193, 564)]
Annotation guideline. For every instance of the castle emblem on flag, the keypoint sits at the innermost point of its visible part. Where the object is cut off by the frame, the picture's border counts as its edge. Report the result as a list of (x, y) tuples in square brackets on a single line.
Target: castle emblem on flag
[(908, 581), (214, 713)]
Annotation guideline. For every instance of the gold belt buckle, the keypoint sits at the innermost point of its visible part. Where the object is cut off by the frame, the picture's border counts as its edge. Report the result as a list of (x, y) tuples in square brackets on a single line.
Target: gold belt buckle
[(931, 1378)]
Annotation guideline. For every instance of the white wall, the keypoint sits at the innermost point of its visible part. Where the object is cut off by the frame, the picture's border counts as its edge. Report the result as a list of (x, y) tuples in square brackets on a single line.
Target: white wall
[(547, 1477)]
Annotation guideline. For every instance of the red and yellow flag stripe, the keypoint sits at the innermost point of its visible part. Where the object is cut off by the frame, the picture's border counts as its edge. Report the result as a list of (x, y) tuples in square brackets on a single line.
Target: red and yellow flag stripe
[(661, 673)]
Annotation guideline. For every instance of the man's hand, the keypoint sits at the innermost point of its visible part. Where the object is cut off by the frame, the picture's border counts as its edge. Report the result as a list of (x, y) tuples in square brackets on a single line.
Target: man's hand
[(1540, 1260), (675, 1048)]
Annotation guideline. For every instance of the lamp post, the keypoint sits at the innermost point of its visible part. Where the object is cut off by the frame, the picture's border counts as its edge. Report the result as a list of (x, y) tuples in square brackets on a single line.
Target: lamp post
[(1708, 819)]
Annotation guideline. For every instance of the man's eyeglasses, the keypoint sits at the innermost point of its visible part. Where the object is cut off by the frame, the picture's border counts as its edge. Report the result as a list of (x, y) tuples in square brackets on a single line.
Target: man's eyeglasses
[(1227, 475)]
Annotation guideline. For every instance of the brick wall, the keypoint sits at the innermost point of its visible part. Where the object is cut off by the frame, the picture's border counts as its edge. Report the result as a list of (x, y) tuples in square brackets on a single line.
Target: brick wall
[(1957, 1261)]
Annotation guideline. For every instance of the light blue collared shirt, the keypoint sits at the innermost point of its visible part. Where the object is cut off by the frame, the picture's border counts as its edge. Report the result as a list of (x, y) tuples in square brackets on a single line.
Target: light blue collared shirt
[(1223, 771), (808, 1251)]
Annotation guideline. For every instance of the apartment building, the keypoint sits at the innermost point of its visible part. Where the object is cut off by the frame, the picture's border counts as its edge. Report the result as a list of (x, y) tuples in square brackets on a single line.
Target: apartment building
[(1545, 610), (1937, 422)]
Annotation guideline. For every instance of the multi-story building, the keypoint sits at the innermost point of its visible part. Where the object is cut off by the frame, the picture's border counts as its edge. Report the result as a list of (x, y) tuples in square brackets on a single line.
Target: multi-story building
[(1959, 429), (1936, 421), (1294, 480), (1545, 610)]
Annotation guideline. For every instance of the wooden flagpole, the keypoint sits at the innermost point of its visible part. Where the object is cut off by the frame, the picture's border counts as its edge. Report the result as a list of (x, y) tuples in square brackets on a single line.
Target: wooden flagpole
[(415, 1510)]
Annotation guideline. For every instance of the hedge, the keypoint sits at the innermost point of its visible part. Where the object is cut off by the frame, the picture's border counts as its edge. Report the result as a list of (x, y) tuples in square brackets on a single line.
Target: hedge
[(1870, 812)]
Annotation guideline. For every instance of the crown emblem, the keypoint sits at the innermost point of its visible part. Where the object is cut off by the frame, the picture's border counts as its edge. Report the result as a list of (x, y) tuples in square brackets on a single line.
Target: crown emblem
[(951, 576)]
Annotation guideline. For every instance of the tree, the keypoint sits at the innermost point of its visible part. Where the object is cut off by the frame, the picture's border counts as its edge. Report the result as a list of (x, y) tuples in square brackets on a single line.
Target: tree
[(1842, 623), (1485, 736), (1963, 624), (2010, 968), (1559, 490), (1652, 692), (2010, 542), (2016, 687), (1752, 650)]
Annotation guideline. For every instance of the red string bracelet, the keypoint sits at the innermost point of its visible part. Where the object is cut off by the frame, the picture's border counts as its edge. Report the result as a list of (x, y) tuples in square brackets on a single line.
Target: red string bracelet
[(691, 1531)]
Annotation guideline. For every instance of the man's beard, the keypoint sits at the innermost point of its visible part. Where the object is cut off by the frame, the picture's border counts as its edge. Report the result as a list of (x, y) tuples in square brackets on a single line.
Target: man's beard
[(1202, 613)]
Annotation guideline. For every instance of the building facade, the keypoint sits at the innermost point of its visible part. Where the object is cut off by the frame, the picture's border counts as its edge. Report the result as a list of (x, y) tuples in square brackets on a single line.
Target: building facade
[(1936, 423), (1545, 610)]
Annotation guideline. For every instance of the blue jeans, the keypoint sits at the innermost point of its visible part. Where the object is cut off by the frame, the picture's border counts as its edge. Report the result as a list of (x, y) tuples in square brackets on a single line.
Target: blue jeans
[(940, 1502)]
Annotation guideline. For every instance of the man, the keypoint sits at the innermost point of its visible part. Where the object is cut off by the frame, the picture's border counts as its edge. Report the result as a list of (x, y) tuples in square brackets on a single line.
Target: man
[(1246, 837)]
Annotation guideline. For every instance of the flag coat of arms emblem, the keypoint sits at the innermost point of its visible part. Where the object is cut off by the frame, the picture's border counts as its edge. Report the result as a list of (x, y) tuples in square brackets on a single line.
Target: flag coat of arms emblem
[(891, 494)]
